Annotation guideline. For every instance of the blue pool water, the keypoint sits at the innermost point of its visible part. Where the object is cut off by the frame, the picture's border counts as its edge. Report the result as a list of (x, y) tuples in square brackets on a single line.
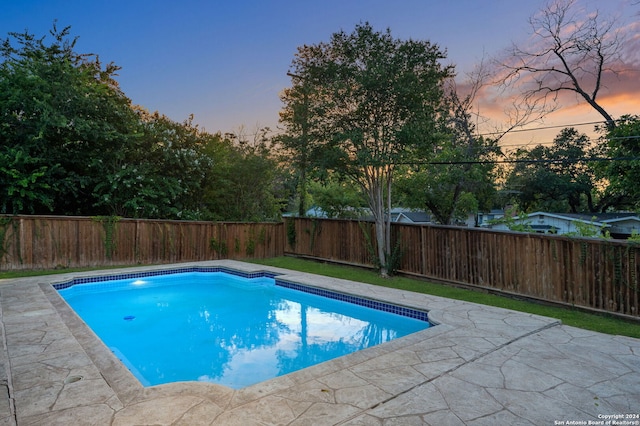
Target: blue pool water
[(226, 329)]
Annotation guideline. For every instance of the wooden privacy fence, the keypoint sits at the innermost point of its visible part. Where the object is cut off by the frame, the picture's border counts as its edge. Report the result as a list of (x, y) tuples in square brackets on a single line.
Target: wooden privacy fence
[(590, 273), (47, 242)]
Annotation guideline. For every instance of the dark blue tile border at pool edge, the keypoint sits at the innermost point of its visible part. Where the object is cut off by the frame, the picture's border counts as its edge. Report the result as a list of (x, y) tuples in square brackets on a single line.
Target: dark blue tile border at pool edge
[(369, 303), (97, 279)]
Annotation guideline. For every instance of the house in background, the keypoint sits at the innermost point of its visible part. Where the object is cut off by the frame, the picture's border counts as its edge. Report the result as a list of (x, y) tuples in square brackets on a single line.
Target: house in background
[(398, 215), (401, 215), (619, 225), (486, 219), (317, 212)]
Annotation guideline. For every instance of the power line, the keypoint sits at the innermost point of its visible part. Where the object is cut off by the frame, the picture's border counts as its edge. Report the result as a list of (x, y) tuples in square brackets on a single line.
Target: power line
[(546, 128), (521, 161), (546, 143)]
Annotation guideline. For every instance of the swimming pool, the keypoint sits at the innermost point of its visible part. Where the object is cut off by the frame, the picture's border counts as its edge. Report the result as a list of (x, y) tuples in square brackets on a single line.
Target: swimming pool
[(228, 327)]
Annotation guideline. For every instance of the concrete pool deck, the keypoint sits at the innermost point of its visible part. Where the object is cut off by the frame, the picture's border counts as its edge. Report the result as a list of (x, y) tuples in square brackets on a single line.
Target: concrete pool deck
[(479, 366)]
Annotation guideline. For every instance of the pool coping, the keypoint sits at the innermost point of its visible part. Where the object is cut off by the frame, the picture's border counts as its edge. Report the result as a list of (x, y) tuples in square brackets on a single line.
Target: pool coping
[(47, 345)]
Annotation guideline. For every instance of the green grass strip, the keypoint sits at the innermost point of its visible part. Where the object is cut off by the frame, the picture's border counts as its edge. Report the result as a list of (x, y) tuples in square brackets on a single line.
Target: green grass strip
[(568, 316), (37, 272)]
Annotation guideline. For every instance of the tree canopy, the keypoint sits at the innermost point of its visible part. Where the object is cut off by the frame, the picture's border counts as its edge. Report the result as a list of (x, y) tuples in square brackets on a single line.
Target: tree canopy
[(621, 144), (72, 143), (459, 176), (61, 113), (578, 175), (554, 178), (372, 102)]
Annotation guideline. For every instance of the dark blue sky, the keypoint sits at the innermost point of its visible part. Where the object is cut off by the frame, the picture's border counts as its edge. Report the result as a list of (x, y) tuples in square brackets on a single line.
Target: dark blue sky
[(226, 61)]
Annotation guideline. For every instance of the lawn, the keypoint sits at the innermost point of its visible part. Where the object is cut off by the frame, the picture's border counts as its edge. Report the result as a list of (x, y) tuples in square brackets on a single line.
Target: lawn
[(568, 316)]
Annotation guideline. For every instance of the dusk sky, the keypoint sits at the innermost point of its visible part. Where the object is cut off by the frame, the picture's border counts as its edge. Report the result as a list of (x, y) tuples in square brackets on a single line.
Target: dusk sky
[(226, 61)]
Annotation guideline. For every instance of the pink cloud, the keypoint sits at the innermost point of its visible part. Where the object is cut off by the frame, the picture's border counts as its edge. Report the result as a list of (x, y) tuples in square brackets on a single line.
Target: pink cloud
[(618, 94)]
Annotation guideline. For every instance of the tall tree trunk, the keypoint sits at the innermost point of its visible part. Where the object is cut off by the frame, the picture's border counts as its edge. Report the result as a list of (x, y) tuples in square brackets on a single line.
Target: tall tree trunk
[(381, 231), (387, 234)]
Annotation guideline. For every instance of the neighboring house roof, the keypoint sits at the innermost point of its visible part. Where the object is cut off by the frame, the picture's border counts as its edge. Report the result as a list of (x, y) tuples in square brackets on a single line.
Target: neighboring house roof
[(595, 218), (413, 217), (400, 215), (630, 217), (316, 212), (570, 217), (618, 225), (603, 217), (563, 216)]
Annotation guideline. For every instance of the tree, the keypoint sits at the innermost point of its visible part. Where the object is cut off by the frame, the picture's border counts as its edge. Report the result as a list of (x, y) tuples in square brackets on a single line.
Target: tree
[(72, 143), (570, 51), (21, 186), (374, 100), (241, 185), (296, 141), (337, 199), (459, 185), (159, 173), (459, 178), (555, 178), (622, 173), (62, 112)]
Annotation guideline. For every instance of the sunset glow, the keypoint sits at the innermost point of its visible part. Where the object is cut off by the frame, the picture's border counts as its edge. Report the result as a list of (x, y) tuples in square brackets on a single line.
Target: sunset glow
[(226, 63)]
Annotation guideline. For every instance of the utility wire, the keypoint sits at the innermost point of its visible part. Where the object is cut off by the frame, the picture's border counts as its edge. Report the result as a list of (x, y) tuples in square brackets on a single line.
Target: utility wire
[(554, 161), (546, 128), (615, 138)]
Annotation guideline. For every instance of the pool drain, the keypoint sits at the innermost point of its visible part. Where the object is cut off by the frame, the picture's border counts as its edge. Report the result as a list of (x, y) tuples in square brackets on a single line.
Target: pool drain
[(72, 379), (129, 318)]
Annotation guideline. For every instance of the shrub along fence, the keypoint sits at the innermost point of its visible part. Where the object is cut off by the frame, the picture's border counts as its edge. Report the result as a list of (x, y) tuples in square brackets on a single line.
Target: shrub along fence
[(590, 273), (48, 242)]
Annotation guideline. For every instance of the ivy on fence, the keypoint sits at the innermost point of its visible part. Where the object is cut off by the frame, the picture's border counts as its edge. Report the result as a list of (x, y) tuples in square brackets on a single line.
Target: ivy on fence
[(219, 247), (291, 233), (4, 226), (109, 226)]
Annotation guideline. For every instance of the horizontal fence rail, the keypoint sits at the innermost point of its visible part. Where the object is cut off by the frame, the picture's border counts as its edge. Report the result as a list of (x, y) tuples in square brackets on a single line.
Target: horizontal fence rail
[(49, 242), (590, 273)]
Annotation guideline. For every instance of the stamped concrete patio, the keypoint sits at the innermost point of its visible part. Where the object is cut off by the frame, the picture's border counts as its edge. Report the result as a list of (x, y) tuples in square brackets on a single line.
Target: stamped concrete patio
[(479, 366)]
